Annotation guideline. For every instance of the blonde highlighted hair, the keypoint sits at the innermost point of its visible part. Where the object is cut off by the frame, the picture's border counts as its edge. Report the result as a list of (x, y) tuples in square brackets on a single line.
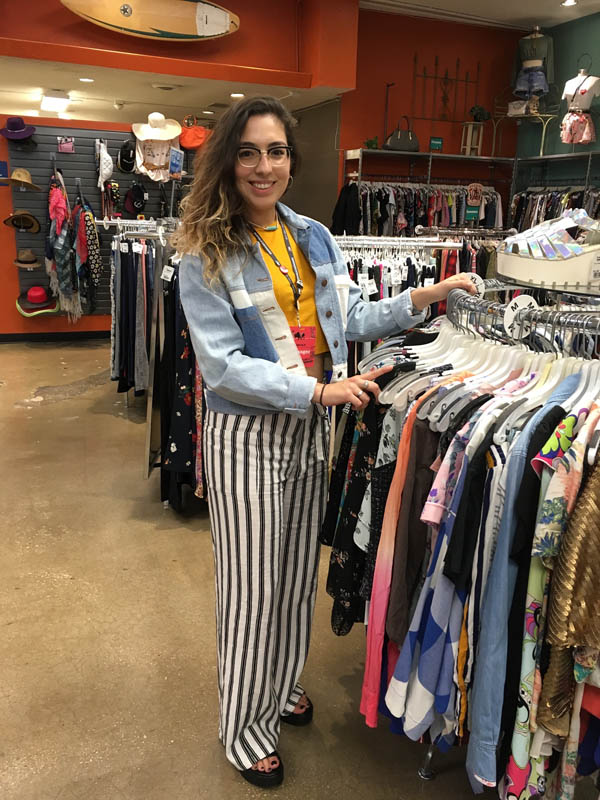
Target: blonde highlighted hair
[(212, 225)]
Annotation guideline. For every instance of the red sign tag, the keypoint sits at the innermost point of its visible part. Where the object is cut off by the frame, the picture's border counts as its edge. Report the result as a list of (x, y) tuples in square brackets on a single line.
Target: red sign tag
[(305, 337)]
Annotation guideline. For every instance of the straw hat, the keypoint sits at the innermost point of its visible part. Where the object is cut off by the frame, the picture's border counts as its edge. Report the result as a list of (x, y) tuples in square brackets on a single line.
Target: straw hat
[(23, 220), (157, 127), (22, 177), (27, 259)]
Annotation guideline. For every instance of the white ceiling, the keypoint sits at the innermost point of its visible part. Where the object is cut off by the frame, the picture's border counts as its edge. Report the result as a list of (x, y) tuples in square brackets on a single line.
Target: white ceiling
[(520, 14), (22, 81)]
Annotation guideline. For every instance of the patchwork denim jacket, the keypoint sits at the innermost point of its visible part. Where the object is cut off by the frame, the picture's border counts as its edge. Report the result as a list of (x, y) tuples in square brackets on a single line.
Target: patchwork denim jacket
[(243, 343)]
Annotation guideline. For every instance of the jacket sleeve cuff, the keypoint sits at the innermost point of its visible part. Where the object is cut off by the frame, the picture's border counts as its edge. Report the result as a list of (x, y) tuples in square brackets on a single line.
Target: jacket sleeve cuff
[(402, 310), (300, 391), (481, 766)]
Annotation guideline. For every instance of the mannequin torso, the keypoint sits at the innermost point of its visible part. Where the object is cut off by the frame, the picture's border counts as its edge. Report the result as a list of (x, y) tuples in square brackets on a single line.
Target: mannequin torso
[(580, 91)]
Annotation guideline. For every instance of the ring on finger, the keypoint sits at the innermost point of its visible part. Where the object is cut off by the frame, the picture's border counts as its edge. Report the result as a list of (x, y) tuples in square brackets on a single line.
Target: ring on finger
[(360, 391)]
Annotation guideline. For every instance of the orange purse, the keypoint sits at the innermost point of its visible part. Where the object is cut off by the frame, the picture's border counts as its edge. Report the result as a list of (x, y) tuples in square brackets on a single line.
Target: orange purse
[(192, 135)]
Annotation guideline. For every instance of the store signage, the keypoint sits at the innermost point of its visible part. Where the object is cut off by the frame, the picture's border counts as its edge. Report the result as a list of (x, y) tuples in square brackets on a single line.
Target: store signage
[(435, 143), (3, 172), (175, 164), (472, 213), (169, 20)]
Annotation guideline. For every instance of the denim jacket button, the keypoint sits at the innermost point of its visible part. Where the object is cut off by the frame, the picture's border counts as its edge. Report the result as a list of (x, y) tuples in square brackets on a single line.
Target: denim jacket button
[(336, 343), (329, 314), (324, 282)]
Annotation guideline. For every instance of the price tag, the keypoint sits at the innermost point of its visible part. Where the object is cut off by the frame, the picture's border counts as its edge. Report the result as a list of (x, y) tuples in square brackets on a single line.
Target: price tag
[(146, 195), (396, 275), (167, 272), (372, 287), (137, 247), (124, 247), (404, 272), (428, 281), (363, 282)]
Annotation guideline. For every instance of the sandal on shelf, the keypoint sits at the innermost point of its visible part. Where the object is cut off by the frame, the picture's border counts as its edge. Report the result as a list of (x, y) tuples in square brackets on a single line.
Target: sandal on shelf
[(265, 779), (303, 718)]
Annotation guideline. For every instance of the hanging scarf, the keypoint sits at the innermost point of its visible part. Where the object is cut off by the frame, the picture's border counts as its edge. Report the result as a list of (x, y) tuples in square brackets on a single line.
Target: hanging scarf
[(60, 264)]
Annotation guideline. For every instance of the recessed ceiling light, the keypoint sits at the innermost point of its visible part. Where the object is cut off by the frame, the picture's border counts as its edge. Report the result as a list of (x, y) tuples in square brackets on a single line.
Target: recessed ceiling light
[(569, 3), (237, 95), (208, 112), (55, 100), (86, 80)]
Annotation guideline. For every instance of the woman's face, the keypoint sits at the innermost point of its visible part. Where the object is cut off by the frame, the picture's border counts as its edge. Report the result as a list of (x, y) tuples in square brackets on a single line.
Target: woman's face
[(261, 186)]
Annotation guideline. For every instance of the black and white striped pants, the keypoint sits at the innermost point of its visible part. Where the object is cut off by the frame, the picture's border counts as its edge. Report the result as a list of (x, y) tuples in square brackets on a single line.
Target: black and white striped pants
[(267, 490)]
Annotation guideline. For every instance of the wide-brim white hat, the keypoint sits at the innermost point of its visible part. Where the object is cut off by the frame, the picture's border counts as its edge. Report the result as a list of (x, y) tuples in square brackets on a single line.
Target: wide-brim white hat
[(157, 127)]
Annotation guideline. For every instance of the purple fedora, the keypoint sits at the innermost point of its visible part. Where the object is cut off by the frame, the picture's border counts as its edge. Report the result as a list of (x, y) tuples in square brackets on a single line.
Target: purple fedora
[(16, 129)]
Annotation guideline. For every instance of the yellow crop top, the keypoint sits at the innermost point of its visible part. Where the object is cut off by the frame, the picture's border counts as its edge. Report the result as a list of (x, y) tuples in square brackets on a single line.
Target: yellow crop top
[(282, 289)]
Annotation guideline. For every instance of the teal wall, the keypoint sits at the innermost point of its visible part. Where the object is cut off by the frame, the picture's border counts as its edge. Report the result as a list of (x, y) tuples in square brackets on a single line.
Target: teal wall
[(571, 40)]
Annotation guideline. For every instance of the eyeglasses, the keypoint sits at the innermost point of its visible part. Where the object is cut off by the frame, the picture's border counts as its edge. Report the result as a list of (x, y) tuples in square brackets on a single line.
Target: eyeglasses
[(250, 156)]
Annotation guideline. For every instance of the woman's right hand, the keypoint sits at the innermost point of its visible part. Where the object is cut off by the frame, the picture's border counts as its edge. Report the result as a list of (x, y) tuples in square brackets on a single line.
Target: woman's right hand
[(356, 390)]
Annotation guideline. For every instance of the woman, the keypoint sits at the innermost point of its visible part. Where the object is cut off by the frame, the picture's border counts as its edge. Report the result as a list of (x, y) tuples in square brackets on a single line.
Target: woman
[(269, 305)]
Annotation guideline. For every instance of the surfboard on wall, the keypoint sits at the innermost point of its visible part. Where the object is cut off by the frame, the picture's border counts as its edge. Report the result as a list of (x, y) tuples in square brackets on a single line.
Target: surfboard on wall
[(168, 20)]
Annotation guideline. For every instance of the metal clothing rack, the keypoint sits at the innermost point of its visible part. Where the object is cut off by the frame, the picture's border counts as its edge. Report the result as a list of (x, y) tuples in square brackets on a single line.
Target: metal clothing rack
[(487, 233), (392, 243)]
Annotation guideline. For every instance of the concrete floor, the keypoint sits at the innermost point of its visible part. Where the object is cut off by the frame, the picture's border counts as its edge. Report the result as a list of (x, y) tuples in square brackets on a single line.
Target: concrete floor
[(107, 653)]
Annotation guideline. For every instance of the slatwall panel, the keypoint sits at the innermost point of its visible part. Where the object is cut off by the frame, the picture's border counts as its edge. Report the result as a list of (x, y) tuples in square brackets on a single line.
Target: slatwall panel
[(80, 164)]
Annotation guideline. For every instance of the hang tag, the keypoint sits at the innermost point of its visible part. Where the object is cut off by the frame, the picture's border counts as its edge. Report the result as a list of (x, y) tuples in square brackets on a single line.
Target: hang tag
[(404, 272), (146, 195), (124, 247), (305, 337), (363, 282), (167, 272), (372, 287), (428, 281), (137, 247), (396, 277)]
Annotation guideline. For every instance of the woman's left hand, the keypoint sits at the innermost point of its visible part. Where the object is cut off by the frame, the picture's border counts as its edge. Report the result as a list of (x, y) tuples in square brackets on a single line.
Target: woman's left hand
[(425, 295)]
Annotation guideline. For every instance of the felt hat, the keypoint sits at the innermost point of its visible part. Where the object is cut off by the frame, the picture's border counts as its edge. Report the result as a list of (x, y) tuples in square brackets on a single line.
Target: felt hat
[(22, 177), (27, 259), (157, 127), (27, 308), (16, 129), (23, 220)]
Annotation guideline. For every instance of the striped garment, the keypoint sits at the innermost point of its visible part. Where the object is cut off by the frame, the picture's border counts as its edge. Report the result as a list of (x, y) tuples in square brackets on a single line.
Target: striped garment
[(267, 488)]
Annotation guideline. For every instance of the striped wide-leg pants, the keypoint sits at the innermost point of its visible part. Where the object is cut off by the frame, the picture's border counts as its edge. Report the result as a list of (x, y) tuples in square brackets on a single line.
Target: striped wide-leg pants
[(267, 490)]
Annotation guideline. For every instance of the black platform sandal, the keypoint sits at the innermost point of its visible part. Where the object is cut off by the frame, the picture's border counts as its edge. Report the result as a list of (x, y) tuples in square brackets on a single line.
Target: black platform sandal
[(303, 718), (265, 779)]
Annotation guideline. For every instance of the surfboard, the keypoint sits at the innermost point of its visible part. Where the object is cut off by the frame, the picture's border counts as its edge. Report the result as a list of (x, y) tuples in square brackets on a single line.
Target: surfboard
[(168, 20)]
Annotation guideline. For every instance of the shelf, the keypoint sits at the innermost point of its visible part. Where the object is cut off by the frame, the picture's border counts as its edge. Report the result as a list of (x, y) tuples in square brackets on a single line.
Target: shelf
[(557, 157), (355, 154)]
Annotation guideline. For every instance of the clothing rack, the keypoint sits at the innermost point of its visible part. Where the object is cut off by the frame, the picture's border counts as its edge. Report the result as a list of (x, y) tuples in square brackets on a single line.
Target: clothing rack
[(480, 316), (409, 182), (482, 233), (392, 242)]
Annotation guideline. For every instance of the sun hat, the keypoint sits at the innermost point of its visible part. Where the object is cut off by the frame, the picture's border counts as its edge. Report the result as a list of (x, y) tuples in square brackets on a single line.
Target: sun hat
[(37, 306), (23, 220), (157, 127), (16, 129), (27, 259), (22, 177)]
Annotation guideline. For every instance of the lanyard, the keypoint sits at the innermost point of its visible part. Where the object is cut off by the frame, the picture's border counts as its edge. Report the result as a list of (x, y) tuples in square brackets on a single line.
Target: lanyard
[(296, 287)]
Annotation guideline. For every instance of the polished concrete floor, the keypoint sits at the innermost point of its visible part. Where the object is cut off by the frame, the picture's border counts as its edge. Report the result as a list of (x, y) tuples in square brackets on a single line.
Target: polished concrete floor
[(107, 652)]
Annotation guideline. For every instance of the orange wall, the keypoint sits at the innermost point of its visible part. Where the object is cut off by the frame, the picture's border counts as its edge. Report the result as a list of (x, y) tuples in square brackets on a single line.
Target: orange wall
[(266, 48), (10, 319), (386, 47)]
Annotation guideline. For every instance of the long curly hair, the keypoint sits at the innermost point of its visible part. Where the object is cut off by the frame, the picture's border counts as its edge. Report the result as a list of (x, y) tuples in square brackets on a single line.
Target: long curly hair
[(212, 225)]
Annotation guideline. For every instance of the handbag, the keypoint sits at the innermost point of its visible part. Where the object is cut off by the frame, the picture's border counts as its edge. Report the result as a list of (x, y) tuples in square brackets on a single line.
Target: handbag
[(192, 135), (402, 139), (517, 108)]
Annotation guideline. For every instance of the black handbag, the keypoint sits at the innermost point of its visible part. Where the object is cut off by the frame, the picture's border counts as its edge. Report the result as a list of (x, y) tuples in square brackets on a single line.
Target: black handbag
[(402, 139)]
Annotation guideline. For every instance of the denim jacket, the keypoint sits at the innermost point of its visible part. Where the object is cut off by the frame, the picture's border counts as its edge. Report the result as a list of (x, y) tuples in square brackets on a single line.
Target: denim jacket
[(245, 350)]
